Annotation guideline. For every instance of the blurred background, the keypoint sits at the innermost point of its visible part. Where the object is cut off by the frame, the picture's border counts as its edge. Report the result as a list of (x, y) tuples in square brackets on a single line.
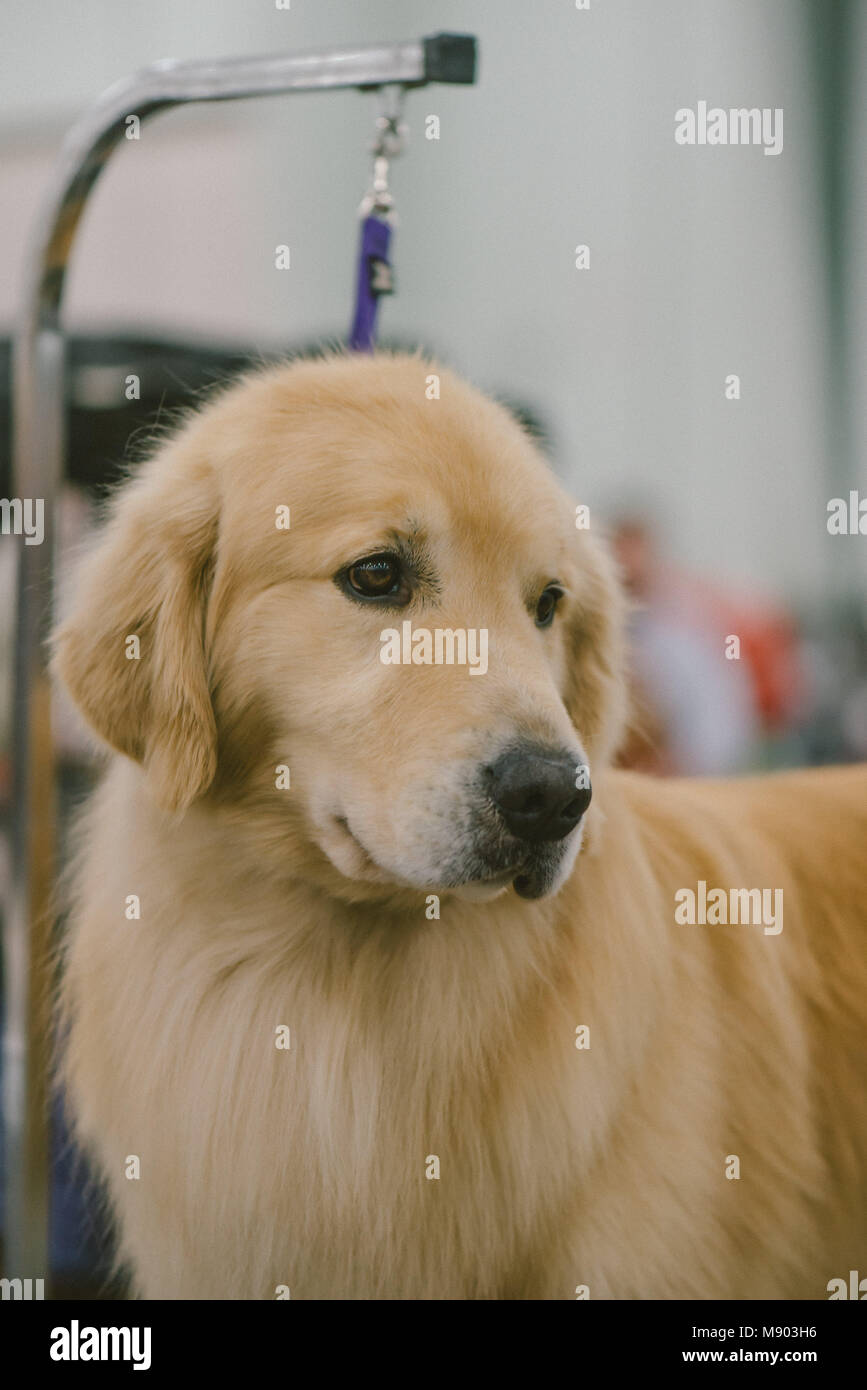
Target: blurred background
[(704, 263)]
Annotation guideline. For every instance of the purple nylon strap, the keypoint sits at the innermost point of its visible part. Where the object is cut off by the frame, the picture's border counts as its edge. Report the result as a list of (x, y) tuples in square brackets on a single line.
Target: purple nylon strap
[(374, 280)]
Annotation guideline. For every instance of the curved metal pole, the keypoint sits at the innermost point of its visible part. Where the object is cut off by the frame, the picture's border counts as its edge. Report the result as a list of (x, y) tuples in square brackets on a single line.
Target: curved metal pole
[(38, 473)]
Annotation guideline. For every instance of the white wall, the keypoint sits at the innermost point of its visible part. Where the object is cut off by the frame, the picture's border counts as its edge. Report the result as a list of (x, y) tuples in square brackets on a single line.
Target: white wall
[(181, 229), (704, 261)]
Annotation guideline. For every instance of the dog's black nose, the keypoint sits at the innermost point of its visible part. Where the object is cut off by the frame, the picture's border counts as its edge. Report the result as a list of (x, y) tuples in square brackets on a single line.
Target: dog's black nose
[(534, 791)]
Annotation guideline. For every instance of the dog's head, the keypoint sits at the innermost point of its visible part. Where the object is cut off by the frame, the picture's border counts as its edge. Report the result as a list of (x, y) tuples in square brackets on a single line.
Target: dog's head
[(356, 618)]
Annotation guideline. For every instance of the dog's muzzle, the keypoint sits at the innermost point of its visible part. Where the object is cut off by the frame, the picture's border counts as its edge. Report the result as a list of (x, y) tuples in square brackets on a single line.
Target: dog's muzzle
[(531, 799)]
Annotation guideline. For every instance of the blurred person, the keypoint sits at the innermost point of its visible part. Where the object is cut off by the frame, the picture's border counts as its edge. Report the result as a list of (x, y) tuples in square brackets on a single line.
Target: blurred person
[(698, 710)]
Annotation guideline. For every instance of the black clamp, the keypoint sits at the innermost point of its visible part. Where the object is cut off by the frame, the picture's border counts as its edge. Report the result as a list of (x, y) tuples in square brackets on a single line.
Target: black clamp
[(450, 58)]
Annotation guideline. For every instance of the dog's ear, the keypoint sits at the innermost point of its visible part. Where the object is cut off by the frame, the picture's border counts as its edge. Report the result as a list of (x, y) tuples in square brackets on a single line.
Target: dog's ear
[(132, 651), (597, 698)]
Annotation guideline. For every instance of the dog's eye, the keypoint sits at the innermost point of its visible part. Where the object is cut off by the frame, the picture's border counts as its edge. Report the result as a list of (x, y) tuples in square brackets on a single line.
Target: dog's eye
[(378, 576), (547, 605)]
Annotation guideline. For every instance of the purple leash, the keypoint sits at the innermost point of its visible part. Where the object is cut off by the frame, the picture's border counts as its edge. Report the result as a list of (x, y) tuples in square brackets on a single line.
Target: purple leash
[(373, 281), (375, 277)]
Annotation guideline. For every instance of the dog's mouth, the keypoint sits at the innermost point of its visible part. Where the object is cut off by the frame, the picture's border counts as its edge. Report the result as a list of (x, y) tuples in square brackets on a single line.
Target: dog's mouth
[(535, 881), (533, 871), (347, 853), (351, 857), (485, 887)]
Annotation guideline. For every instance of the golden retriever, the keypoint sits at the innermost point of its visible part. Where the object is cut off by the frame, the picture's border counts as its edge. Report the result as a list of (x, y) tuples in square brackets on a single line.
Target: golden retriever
[(364, 997)]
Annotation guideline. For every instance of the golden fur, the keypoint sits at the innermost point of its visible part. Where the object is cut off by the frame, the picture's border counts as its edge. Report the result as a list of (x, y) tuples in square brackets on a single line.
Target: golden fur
[(413, 1037)]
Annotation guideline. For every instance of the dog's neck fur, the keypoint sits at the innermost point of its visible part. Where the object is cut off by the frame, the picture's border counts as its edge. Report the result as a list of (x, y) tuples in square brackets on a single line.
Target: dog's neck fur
[(405, 984), (405, 987), (388, 947)]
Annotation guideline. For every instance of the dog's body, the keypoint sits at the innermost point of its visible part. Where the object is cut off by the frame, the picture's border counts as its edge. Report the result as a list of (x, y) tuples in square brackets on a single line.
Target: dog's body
[(432, 1130)]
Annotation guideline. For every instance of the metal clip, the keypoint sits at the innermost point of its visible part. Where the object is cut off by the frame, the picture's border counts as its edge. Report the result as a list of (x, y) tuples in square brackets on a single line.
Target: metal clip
[(391, 133)]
